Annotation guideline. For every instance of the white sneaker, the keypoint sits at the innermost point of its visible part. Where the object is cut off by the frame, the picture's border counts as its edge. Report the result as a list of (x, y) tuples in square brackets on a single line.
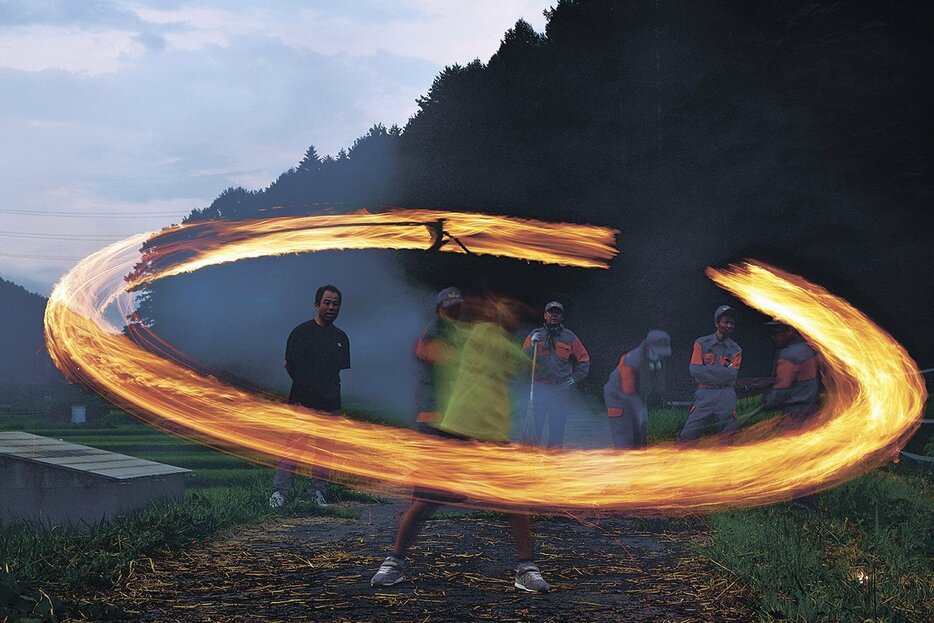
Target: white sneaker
[(318, 498), (276, 500), (529, 579), (390, 572)]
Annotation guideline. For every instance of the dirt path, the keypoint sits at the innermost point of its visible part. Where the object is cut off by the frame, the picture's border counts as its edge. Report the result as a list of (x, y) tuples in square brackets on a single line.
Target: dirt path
[(318, 569)]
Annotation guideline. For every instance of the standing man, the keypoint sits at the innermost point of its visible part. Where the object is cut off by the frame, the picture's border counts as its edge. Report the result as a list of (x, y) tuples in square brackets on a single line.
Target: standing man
[(797, 386), (714, 365), (560, 361), (435, 353), (315, 354), (638, 375)]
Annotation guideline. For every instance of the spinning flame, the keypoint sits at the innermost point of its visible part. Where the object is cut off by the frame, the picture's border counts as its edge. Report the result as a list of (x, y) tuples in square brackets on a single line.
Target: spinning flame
[(876, 398)]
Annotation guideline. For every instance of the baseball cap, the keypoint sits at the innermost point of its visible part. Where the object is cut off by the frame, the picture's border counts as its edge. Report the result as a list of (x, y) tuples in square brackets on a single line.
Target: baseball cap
[(448, 297), (723, 310), (554, 304), (659, 341)]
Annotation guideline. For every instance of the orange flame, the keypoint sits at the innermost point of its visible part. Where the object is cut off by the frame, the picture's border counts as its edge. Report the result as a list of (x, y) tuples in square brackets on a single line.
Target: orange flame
[(205, 244), (857, 429)]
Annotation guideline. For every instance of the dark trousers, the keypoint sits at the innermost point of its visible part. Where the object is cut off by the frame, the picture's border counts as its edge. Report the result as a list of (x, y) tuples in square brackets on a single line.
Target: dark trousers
[(551, 404), (718, 404), (297, 447)]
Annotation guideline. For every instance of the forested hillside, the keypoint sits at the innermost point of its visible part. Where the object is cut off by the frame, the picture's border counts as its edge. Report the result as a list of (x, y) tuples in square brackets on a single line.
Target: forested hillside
[(794, 132), (24, 356)]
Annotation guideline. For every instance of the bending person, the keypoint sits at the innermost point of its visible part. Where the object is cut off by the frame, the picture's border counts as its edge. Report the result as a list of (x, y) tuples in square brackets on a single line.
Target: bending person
[(638, 375)]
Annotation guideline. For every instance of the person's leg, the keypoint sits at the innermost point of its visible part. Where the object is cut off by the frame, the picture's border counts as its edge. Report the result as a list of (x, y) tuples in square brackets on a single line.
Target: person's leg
[(528, 576), (805, 502), (558, 415), (392, 570), (282, 480), (726, 423), (620, 429), (640, 427), (540, 404), (321, 474), (793, 419), (286, 468), (726, 414), (411, 524), (703, 407), (520, 525), (694, 426)]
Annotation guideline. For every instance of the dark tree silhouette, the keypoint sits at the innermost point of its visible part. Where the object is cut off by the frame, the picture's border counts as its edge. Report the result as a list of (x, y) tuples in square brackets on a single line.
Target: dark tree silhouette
[(796, 132)]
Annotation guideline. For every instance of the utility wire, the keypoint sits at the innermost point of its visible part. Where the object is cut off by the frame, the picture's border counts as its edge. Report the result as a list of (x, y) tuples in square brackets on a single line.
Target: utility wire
[(43, 257), (91, 214), (88, 237)]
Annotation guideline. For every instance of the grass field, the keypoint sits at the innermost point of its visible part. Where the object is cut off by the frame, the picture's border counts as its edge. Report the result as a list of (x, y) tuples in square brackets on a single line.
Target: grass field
[(866, 556), (45, 570)]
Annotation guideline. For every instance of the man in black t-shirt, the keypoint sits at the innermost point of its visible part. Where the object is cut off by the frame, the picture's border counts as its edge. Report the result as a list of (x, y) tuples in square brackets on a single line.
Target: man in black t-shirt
[(315, 354)]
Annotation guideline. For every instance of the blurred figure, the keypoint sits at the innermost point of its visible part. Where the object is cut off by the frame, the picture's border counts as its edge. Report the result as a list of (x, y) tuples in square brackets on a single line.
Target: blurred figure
[(797, 386), (315, 354), (436, 353), (715, 363), (478, 409), (560, 361), (637, 376)]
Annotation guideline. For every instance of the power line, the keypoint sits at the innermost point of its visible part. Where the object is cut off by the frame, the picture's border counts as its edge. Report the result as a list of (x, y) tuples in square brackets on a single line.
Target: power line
[(57, 258), (81, 237), (89, 214)]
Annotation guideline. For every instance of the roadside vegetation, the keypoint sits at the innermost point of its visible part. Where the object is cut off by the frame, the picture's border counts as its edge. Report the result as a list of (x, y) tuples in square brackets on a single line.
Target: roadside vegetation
[(866, 555)]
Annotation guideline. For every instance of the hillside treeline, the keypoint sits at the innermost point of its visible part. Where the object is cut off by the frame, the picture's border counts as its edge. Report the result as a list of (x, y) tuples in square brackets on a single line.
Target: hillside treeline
[(793, 132)]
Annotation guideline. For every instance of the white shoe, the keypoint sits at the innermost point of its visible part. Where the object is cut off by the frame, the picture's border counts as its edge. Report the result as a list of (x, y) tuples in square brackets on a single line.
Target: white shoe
[(276, 500), (390, 572), (529, 579), (318, 498)]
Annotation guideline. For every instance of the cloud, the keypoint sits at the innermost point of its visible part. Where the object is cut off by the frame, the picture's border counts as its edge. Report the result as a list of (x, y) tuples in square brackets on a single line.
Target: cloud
[(87, 13), (441, 34), (126, 106), (82, 52)]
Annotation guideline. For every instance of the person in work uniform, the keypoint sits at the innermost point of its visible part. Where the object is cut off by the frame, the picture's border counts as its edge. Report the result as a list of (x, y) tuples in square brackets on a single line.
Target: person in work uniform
[(478, 409), (797, 386), (715, 363), (435, 353), (560, 362), (315, 354), (638, 375)]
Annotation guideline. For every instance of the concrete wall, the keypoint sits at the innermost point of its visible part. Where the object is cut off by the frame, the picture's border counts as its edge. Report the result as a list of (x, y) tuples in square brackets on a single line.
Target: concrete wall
[(52, 495)]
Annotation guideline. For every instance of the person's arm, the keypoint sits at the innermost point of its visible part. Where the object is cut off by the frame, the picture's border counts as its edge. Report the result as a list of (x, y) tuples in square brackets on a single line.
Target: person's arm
[(288, 363), (580, 365), (786, 371), (345, 365), (627, 377), (712, 374), (534, 337)]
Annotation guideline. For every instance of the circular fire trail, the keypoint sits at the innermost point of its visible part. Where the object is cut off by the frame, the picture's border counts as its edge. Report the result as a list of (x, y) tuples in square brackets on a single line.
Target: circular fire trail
[(874, 402)]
